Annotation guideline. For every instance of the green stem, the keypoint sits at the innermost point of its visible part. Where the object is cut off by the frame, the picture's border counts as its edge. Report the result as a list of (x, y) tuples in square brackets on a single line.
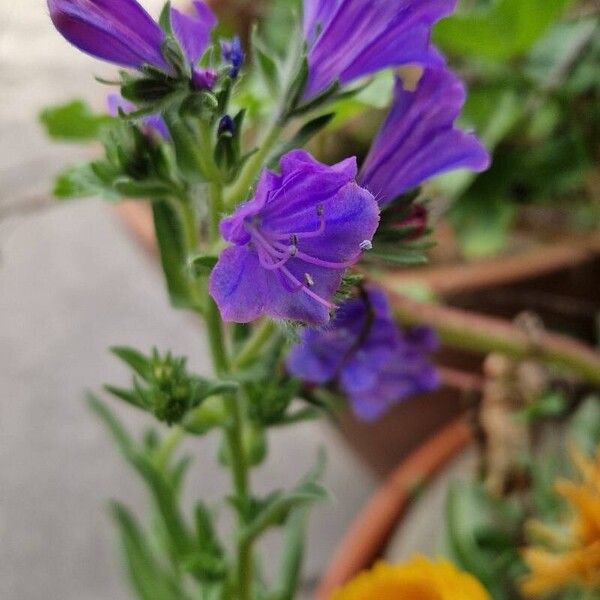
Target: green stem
[(169, 444), (260, 336), (234, 430), (215, 211), (249, 174)]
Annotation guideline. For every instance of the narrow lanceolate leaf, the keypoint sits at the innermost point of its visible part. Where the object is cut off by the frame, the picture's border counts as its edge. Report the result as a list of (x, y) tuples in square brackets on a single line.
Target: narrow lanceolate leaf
[(147, 577), (74, 122), (134, 359), (290, 565), (176, 532), (279, 507), (173, 254), (266, 62), (302, 137)]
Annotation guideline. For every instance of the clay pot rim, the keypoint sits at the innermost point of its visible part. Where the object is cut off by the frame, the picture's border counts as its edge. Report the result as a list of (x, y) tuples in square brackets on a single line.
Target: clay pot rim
[(373, 527)]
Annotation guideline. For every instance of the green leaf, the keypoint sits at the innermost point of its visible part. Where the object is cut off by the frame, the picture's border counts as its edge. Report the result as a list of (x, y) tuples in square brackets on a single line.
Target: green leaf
[(301, 138), (278, 508), (82, 181), (173, 254), (74, 122), (507, 29), (149, 189), (202, 265), (137, 361), (290, 565), (267, 64), (146, 575)]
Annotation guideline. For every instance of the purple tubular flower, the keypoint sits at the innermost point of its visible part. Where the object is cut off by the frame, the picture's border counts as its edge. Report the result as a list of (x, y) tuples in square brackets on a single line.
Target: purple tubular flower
[(193, 32), (118, 31), (293, 241), (151, 123), (233, 53), (362, 349), (349, 39), (418, 139)]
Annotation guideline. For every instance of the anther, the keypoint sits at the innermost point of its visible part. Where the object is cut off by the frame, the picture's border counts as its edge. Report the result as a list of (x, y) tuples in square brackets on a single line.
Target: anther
[(308, 280)]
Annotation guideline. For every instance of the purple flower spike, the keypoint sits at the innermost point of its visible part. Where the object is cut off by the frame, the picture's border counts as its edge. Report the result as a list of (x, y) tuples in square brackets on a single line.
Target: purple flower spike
[(152, 124), (118, 31), (193, 32), (362, 349), (349, 39), (293, 241), (418, 139)]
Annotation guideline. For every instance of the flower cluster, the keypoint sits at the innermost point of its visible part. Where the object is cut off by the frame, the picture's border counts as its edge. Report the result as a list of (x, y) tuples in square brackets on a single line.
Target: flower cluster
[(416, 579), (306, 223), (577, 560)]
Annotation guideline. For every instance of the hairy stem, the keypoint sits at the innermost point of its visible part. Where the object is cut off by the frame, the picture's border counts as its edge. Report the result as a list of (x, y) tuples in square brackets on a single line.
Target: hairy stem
[(234, 405), (260, 336)]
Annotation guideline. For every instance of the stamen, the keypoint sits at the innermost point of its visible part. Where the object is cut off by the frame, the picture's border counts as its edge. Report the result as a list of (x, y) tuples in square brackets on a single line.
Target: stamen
[(325, 263), (306, 290), (309, 280)]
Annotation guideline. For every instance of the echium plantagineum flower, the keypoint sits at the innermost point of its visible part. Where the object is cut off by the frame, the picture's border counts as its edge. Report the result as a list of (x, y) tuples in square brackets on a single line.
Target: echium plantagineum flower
[(418, 139), (293, 241), (364, 351), (122, 32), (350, 39)]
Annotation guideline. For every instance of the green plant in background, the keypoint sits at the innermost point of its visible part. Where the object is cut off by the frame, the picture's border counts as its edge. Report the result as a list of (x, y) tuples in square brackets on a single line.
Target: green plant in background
[(535, 98)]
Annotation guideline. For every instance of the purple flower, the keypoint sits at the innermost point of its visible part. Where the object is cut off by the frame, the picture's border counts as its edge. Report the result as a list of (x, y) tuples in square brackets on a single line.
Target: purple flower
[(122, 32), (194, 34), (293, 241), (418, 139), (362, 349), (233, 54), (349, 39), (152, 124), (118, 31)]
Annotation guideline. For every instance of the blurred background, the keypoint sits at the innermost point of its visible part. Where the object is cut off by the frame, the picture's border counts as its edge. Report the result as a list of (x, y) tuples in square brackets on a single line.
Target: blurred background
[(74, 281)]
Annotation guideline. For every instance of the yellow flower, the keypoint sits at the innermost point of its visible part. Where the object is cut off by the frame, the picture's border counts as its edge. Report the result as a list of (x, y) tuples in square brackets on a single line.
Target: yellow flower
[(576, 560), (417, 579)]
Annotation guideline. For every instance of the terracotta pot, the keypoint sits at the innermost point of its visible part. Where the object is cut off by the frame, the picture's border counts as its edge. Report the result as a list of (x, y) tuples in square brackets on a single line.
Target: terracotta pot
[(368, 536)]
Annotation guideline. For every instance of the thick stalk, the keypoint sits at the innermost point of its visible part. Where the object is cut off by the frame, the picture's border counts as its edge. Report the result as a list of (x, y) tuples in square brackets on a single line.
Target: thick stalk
[(250, 172)]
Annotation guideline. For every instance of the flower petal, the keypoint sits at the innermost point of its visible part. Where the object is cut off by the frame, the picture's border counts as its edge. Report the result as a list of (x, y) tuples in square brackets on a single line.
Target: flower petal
[(118, 31), (418, 139), (193, 32), (238, 284), (361, 37)]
